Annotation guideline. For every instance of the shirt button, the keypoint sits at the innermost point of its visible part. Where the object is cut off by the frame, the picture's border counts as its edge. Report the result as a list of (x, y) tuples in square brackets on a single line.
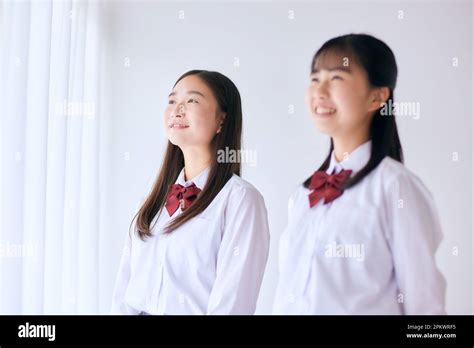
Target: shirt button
[(291, 298)]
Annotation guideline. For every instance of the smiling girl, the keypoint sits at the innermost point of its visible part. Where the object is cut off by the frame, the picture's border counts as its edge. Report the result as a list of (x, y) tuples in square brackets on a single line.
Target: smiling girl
[(362, 230), (200, 241)]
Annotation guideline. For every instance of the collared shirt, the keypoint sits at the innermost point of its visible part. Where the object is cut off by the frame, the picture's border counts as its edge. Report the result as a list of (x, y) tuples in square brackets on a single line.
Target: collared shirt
[(370, 251), (212, 264)]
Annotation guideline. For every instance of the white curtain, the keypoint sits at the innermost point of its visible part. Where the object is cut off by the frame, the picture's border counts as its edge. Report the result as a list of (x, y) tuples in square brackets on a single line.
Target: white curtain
[(50, 142)]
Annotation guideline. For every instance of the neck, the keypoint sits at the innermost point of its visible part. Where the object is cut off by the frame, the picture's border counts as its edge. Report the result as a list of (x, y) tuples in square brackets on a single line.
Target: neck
[(343, 146), (196, 159)]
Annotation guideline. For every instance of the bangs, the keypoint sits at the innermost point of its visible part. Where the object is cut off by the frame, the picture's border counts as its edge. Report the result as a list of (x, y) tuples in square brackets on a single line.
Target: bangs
[(333, 56)]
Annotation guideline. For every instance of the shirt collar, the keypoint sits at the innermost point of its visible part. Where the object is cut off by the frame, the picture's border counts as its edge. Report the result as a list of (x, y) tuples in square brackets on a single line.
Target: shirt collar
[(199, 180), (355, 161)]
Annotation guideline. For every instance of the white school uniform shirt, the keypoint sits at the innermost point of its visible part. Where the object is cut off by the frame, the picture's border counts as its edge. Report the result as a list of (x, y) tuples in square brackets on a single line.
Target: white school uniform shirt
[(370, 251), (213, 264)]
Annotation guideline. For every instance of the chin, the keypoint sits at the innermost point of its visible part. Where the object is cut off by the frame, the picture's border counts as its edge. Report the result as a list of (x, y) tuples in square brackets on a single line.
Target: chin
[(176, 141), (324, 128)]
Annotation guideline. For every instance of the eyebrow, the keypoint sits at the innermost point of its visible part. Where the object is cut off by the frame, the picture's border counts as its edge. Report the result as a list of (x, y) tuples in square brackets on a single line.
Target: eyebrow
[(190, 92), (338, 68)]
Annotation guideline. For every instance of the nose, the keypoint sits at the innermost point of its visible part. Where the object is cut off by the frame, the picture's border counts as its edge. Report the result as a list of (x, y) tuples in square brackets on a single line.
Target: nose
[(321, 91), (179, 111)]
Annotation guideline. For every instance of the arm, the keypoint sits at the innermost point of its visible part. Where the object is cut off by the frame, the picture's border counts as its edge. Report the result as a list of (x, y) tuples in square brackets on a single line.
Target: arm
[(242, 254), (123, 276), (414, 236)]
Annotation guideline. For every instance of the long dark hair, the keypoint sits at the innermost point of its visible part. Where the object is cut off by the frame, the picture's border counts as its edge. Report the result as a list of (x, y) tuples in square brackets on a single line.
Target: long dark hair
[(229, 103), (378, 60)]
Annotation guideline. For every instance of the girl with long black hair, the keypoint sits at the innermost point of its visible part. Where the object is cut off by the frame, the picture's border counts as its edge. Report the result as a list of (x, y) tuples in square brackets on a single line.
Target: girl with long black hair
[(200, 240), (362, 230)]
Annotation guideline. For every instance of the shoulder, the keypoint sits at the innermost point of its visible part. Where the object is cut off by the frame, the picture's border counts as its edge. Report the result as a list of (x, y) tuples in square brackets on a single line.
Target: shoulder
[(404, 189), (299, 194), (239, 189), (298, 191), (397, 177)]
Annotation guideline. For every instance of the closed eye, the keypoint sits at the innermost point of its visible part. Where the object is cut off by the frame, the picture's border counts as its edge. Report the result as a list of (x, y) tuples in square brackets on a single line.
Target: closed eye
[(336, 77), (171, 101), (192, 100), (315, 79)]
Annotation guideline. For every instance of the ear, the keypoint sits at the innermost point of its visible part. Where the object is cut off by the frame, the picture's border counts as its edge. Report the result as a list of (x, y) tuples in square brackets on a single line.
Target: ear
[(379, 97), (220, 124)]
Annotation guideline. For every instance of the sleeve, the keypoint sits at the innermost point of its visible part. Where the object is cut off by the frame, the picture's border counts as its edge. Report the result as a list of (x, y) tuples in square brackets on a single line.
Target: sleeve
[(414, 236), (121, 283), (291, 204), (242, 254), (291, 201)]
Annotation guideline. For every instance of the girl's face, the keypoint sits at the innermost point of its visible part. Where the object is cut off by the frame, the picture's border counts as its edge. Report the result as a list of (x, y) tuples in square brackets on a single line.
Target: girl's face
[(192, 117), (339, 97)]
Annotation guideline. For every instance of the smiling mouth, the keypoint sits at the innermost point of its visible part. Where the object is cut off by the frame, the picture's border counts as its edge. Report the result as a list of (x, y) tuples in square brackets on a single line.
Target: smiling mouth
[(324, 111), (178, 126)]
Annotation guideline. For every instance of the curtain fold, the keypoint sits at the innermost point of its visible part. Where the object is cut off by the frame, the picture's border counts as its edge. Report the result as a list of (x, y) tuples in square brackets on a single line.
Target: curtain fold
[(49, 157)]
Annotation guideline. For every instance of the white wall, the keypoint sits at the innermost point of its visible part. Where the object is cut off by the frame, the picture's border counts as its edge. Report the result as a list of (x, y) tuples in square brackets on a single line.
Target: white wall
[(274, 53)]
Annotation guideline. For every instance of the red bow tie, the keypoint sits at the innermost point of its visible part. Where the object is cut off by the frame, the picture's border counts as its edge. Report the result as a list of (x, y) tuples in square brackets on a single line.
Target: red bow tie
[(327, 186), (180, 196)]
